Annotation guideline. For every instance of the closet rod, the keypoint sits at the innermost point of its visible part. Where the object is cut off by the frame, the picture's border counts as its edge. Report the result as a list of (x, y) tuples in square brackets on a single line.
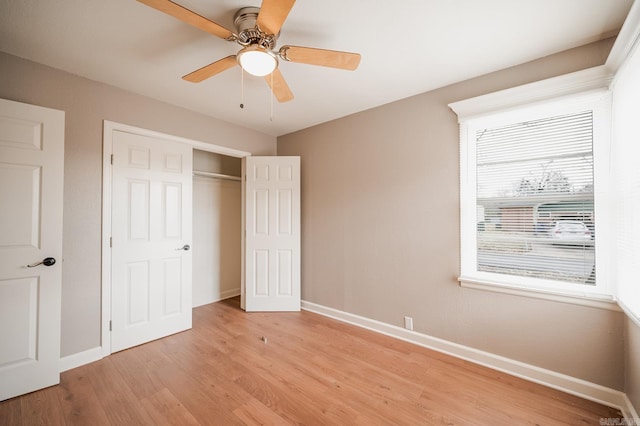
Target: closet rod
[(216, 175)]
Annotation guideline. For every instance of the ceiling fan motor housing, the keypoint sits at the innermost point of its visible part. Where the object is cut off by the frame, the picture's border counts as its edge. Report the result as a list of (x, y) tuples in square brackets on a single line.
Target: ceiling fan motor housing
[(248, 31)]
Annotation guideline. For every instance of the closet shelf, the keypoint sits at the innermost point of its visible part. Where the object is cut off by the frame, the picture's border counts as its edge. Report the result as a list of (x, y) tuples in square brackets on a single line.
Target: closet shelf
[(216, 175)]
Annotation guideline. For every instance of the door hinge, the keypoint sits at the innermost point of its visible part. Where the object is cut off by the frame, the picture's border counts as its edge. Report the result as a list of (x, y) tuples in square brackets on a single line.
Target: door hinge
[(110, 325), (111, 242), (111, 159)]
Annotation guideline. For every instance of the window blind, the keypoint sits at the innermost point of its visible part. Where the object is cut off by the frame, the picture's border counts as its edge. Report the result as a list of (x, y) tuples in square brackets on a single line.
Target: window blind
[(535, 201)]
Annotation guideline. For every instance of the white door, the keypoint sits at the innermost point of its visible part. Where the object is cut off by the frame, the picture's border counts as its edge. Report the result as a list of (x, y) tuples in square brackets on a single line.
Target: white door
[(272, 225), (151, 237), (31, 180)]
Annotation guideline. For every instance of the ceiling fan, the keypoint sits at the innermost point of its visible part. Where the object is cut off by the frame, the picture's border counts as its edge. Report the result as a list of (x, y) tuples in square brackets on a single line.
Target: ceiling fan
[(257, 33)]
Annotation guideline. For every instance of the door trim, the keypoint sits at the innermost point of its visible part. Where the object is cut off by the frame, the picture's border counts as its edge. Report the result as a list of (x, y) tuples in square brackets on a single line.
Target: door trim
[(107, 149)]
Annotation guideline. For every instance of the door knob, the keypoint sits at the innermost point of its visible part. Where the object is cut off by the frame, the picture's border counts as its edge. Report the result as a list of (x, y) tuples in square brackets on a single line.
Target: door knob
[(185, 247), (47, 261)]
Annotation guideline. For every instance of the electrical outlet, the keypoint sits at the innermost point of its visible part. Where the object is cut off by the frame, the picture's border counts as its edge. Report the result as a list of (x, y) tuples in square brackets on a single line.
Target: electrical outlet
[(408, 323)]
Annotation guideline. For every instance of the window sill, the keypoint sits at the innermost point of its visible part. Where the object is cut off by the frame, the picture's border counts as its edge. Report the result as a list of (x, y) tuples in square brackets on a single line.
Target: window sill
[(601, 301)]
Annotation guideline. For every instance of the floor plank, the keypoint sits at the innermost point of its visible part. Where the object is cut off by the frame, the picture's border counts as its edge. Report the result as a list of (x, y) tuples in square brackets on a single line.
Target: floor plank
[(165, 409), (237, 368), (80, 404), (11, 412), (42, 408)]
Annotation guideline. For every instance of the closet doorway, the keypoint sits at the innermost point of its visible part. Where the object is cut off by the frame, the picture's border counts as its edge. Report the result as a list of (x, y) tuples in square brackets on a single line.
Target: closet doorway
[(211, 166), (264, 205), (217, 227)]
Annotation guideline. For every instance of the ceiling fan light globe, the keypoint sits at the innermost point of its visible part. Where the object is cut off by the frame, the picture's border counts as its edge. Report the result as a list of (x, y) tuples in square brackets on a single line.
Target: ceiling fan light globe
[(257, 61)]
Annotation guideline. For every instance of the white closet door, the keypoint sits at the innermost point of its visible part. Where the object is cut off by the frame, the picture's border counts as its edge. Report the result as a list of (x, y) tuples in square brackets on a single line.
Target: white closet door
[(272, 224), (151, 231)]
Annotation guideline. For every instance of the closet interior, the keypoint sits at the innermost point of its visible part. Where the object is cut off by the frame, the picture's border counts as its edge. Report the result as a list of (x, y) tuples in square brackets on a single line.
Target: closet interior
[(217, 217)]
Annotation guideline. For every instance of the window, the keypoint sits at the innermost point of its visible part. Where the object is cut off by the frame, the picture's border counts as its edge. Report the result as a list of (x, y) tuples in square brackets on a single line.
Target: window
[(626, 191), (534, 198), (530, 208)]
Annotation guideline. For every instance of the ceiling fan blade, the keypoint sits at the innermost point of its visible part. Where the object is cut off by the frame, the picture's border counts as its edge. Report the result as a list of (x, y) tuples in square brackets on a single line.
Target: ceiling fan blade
[(322, 57), (212, 69), (272, 15), (279, 87), (191, 18)]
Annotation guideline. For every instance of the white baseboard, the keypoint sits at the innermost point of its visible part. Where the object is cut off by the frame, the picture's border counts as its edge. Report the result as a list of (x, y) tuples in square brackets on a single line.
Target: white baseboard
[(227, 294), (223, 295), (81, 358), (629, 412), (559, 381)]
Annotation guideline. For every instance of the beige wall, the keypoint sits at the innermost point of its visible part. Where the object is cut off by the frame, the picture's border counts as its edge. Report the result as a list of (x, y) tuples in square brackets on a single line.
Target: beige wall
[(86, 103), (380, 231)]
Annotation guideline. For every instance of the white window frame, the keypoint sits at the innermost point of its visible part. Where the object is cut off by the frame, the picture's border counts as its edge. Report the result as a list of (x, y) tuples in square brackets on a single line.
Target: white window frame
[(584, 90)]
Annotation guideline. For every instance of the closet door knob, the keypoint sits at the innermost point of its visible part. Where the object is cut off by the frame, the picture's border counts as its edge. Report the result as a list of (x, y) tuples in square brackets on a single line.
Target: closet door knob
[(185, 247)]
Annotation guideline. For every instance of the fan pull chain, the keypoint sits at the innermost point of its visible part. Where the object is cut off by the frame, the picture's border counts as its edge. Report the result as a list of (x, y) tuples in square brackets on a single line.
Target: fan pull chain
[(241, 88)]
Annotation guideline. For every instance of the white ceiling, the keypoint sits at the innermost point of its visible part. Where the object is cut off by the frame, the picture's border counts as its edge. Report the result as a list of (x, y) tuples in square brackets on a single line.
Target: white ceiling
[(408, 47)]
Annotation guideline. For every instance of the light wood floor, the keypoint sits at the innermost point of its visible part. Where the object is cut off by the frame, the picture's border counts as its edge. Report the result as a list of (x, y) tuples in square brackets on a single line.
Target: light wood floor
[(311, 370)]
